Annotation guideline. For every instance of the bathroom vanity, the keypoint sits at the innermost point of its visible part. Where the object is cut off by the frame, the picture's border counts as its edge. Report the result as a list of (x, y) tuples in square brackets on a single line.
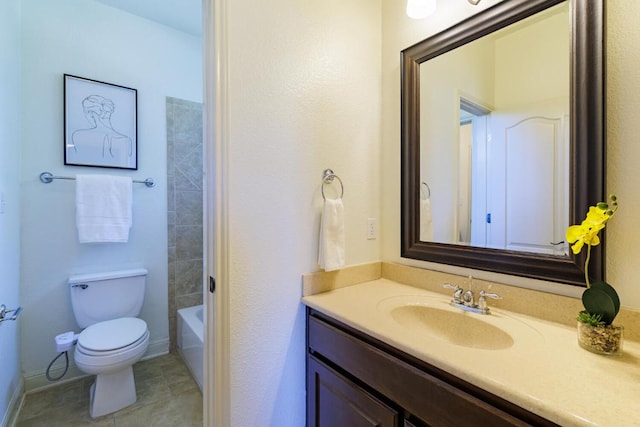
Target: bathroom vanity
[(376, 355), (354, 379)]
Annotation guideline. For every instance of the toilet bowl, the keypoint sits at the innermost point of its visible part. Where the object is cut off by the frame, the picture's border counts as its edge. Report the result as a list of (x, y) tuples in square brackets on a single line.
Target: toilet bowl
[(108, 350), (106, 306)]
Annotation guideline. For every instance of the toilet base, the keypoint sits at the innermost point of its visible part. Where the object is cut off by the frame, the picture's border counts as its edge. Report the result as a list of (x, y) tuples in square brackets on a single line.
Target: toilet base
[(112, 392)]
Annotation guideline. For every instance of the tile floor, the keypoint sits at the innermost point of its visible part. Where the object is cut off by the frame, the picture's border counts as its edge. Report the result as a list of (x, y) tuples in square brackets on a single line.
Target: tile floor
[(167, 396)]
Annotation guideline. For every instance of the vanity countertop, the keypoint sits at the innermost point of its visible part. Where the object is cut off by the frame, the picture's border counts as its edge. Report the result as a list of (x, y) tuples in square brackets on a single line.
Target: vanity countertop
[(549, 375)]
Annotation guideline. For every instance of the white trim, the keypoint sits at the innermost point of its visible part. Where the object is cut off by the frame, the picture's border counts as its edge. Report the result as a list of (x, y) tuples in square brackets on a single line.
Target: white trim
[(157, 349), (37, 381), (216, 391), (11, 415)]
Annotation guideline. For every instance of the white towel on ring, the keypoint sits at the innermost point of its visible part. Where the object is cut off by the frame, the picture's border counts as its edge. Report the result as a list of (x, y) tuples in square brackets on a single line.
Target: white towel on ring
[(426, 221), (331, 239), (103, 208)]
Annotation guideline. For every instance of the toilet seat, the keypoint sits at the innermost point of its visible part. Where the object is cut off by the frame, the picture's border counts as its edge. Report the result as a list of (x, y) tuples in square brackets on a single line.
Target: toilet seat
[(112, 335), (128, 335)]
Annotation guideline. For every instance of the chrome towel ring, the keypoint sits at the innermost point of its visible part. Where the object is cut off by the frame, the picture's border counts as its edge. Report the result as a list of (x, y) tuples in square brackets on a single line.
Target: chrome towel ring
[(428, 191), (327, 178)]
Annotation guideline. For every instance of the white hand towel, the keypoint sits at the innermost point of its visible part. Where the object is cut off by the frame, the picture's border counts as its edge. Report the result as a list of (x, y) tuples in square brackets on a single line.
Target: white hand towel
[(103, 208), (331, 241), (426, 221)]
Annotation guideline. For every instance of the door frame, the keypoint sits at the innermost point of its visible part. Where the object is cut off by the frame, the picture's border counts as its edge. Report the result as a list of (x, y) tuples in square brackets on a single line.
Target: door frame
[(216, 390)]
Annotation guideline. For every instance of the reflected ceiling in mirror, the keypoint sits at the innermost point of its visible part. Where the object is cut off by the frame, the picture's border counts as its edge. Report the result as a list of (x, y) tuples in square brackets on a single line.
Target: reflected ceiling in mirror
[(502, 115)]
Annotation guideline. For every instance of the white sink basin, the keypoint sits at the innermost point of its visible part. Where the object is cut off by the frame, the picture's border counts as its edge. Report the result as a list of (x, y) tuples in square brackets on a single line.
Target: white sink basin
[(435, 318)]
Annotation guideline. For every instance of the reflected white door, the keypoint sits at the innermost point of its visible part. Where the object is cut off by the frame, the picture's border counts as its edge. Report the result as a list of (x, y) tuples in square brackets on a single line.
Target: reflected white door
[(531, 151), (529, 157)]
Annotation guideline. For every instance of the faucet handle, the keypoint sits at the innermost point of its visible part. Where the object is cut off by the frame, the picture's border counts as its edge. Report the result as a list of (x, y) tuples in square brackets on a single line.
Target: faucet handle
[(457, 292), (489, 295), (482, 300)]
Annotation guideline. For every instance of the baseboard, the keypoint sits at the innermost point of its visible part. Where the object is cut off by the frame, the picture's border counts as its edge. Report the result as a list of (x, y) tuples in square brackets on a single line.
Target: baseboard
[(11, 415), (157, 348), (38, 381)]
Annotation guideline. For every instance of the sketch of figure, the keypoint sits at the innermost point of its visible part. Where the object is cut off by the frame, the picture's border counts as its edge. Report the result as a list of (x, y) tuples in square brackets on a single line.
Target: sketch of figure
[(101, 138)]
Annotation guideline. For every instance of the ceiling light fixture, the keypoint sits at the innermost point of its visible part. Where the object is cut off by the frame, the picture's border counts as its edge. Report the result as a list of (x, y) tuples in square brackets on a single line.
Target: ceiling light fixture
[(419, 9)]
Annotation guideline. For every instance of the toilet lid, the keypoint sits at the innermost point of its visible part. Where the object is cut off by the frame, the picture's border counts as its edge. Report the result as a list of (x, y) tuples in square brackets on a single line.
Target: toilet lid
[(112, 334)]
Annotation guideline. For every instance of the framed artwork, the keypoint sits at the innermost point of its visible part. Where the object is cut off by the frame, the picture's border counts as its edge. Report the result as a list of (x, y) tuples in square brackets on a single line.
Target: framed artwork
[(100, 124)]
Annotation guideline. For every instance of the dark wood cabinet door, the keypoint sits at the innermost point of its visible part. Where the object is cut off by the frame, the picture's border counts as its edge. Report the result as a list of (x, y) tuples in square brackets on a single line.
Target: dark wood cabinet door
[(335, 401)]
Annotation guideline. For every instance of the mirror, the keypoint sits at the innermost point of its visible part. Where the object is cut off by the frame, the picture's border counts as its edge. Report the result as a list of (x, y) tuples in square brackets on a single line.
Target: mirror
[(475, 116), (494, 116)]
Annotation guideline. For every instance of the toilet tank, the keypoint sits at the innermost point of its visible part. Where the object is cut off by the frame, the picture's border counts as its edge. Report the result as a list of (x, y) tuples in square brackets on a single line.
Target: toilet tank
[(110, 295)]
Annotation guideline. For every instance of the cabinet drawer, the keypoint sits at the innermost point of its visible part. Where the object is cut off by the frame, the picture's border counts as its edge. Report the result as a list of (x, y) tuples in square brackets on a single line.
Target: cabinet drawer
[(429, 398)]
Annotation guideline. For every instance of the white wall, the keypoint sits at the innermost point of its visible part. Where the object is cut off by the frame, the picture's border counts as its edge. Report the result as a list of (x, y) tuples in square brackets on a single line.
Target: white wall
[(10, 379), (88, 39), (623, 152), (304, 95)]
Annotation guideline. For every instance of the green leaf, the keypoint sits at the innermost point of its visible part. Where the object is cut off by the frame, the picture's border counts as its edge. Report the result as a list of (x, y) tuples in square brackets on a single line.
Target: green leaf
[(597, 301), (609, 290)]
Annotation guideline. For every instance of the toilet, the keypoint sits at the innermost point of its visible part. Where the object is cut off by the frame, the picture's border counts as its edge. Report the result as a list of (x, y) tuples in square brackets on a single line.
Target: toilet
[(105, 306)]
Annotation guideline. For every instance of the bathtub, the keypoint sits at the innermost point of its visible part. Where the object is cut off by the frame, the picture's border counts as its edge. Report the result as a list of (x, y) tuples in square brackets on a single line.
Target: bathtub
[(191, 340)]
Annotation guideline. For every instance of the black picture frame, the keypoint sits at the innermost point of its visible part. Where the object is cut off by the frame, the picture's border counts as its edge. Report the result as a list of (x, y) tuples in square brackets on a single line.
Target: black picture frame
[(100, 124)]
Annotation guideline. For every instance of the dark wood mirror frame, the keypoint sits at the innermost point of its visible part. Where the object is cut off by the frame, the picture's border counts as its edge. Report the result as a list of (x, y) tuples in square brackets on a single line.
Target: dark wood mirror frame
[(587, 141)]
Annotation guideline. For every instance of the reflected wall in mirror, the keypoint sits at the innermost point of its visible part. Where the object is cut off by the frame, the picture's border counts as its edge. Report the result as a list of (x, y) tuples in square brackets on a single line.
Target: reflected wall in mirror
[(502, 140)]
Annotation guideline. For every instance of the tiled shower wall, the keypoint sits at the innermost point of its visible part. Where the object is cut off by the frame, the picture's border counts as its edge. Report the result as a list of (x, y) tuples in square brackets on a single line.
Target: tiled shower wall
[(184, 206)]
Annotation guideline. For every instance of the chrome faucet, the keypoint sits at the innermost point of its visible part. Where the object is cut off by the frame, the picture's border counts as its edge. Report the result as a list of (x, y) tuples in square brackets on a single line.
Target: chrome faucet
[(465, 300)]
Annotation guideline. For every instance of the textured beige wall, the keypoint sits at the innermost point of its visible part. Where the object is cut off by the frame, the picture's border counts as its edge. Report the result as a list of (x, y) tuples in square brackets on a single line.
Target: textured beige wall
[(304, 95), (623, 147)]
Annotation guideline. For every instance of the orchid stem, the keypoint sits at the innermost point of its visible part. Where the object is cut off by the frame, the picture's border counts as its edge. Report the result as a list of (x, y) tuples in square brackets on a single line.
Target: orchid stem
[(586, 267)]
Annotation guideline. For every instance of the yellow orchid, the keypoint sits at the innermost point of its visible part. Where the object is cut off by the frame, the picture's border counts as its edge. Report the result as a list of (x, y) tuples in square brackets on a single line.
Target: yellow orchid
[(599, 299), (587, 231)]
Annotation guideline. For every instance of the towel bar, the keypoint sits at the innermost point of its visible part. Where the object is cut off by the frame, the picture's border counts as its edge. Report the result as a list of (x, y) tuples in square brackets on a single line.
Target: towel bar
[(47, 177)]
